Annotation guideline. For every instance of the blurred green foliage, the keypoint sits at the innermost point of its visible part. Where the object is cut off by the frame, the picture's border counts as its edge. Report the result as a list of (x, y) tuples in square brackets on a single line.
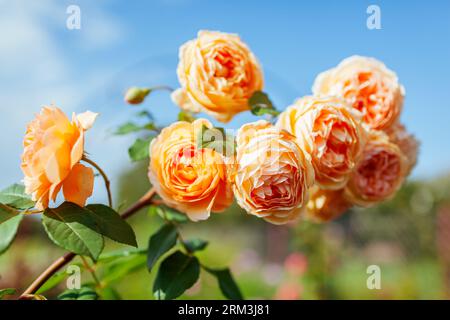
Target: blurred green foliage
[(408, 237)]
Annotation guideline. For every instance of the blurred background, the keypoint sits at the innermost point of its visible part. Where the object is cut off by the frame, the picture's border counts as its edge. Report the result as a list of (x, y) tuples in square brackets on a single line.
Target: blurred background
[(123, 43)]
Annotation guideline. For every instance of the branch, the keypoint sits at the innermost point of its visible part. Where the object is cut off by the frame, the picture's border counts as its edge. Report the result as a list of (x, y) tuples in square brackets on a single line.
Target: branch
[(65, 259)]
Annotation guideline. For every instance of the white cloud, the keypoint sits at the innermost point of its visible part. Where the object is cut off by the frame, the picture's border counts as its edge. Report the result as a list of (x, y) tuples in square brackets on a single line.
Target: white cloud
[(35, 69), (99, 31), (26, 48)]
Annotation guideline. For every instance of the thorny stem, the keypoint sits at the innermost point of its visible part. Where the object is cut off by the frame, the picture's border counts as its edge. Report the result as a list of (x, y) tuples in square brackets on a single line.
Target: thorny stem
[(65, 259), (103, 174)]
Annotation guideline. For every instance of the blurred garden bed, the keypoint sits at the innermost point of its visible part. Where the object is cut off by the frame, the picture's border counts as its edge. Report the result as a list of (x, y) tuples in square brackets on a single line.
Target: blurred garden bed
[(407, 237)]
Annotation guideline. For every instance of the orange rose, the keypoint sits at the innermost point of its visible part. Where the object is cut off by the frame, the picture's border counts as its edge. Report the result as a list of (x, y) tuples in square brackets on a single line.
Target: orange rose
[(326, 205), (368, 86), (191, 180), (406, 142), (53, 148), (218, 74), (330, 132), (379, 174), (273, 174)]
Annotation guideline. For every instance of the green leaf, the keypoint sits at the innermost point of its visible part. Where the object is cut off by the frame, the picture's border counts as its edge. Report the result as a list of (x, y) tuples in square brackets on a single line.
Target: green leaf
[(152, 210), (132, 127), (120, 254), (84, 293), (109, 293), (145, 114), (8, 232), (16, 197), (177, 273), (186, 116), (51, 283), (168, 214), (227, 284), (121, 267), (160, 242), (73, 228), (260, 98), (260, 104), (216, 139), (208, 136), (127, 128), (259, 111), (140, 150), (6, 292), (111, 225), (195, 244), (7, 213)]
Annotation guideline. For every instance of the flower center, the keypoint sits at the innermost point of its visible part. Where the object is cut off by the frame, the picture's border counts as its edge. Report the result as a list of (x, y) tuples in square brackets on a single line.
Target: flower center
[(333, 139), (227, 69), (276, 190), (183, 166), (368, 94)]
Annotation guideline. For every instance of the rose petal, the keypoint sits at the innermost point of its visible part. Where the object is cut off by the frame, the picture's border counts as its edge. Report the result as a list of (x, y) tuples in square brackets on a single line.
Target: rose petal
[(79, 185), (87, 119)]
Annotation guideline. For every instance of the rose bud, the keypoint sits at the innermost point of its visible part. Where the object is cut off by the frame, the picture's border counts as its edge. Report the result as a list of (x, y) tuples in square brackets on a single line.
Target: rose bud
[(136, 95)]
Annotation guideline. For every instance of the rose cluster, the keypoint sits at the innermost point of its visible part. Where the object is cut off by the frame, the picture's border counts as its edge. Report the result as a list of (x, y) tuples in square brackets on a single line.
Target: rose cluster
[(341, 146)]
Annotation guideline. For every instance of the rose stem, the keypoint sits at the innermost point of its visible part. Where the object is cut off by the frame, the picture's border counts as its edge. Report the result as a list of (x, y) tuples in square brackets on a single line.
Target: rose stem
[(65, 259), (105, 178), (92, 271), (163, 87)]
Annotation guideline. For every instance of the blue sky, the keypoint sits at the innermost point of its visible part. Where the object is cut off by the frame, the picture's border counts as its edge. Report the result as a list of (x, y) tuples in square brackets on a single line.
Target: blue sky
[(125, 43)]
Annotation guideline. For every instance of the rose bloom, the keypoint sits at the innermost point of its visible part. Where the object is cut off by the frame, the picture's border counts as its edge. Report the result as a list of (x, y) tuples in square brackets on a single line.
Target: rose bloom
[(368, 86), (218, 74), (191, 180), (326, 205), (53, 147), (273, 174), (379, 174), (330, 132), (407, 143)]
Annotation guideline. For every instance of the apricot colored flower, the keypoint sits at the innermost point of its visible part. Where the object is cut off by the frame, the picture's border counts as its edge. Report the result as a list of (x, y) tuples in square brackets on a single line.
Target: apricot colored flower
[(368, 85), (53, 147), (330, 132), (379, 174), (191, 180), (218, 74), (273, 174), (326, 205), (406, 142)]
